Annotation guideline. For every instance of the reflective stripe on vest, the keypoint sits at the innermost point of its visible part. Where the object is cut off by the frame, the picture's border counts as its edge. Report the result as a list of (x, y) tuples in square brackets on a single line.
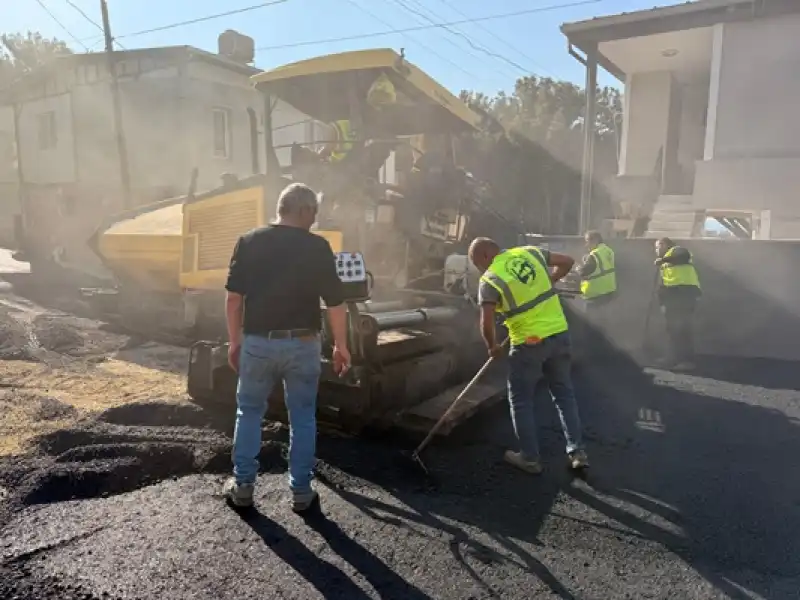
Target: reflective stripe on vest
[(603, 280), (344, 137), (529, 303), (672, 275)]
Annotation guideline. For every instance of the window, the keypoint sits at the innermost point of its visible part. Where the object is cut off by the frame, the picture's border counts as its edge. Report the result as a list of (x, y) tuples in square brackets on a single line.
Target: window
[(48, 133), (222, 133)]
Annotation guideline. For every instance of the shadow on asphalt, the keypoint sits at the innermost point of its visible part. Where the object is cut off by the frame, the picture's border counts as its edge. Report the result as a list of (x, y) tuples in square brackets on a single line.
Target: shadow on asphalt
[(691, 463), (328, 579), (710, 466)]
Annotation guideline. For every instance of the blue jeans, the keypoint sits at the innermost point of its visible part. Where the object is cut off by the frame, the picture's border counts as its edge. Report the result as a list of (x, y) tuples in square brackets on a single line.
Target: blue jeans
[(262, 364), (528, 364)]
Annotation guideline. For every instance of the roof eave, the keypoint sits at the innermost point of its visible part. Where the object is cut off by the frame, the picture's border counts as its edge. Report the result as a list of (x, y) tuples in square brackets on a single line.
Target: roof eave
[(672, 18)]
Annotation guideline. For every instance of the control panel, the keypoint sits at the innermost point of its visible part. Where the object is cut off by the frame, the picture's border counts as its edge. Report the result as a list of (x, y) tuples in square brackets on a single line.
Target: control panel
[(353, 272)]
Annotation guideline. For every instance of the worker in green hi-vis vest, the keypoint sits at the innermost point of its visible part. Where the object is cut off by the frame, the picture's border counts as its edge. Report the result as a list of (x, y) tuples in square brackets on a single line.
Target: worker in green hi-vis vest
[(678, 292), (517, 285)]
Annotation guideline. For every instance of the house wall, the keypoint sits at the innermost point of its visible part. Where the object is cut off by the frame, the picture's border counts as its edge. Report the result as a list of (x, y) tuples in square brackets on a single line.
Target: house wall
[(694, 106), (647, 109), (289, 126), (645, 121), (753, 151), (758, 89), (9, 198), (52, 160), (207, 88), (167, 119)]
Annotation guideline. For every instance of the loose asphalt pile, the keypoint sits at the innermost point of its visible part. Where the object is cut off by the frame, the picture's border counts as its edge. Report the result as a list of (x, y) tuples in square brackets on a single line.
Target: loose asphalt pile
[(29, 332)]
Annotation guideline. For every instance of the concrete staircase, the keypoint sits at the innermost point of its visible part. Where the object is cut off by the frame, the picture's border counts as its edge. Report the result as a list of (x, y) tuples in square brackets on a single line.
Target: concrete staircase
[(674, 216)]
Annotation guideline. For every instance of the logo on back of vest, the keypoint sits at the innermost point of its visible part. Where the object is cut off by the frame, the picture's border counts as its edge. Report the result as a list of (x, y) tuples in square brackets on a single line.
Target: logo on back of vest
[(522, 270)]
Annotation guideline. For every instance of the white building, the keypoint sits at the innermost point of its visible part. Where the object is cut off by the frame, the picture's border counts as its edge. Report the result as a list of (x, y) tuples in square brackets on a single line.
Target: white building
[(710, 124), (182, 108)]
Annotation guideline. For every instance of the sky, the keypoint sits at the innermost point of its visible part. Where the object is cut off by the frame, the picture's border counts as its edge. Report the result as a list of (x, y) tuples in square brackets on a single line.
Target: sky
[(485, 56)]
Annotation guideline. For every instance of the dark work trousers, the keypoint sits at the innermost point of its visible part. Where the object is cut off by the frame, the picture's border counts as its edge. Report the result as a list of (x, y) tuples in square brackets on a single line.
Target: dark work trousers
[(679, 309)]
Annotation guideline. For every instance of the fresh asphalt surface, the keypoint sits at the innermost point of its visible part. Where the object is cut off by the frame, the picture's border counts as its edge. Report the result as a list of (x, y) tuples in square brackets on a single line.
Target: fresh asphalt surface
[(693, 493)]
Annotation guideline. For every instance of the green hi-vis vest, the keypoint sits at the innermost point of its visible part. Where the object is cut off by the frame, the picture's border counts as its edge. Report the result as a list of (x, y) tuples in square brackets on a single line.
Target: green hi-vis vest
[(672, 275), (528, 302), (603, 280), (345, 138)]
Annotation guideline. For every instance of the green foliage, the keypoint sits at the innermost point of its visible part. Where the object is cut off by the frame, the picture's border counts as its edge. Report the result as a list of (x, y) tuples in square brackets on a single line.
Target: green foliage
[(530, 155), (31, 50)]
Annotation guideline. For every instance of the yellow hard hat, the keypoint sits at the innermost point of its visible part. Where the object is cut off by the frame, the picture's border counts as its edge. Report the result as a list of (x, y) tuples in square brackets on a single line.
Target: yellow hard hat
[(381, 92)]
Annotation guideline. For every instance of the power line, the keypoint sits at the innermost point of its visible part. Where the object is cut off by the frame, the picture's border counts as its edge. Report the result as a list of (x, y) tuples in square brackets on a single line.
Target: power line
[(458, 33), (203, 19), (431, 50), (363, 36), (498, 38), (416, 14), (60, 24), (84, 15), (88, 18)]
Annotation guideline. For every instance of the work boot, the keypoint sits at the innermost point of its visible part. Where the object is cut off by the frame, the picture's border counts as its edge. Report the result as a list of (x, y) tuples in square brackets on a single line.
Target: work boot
[(302, 501), (238, 494), (578, 460), (533, 467)]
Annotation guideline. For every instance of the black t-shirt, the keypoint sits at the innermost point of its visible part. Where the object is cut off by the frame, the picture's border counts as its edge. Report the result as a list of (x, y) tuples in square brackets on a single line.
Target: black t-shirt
[(282, 272)]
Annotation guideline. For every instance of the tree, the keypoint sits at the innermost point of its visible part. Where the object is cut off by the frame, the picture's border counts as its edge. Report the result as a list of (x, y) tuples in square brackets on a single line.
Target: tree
[(531, 158), (31, 50)]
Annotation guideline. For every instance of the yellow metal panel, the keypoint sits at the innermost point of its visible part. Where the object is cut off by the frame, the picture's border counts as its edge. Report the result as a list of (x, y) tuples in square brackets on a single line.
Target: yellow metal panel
[(205, 280), (384, 59), (218, 222), (380, 58), (214, 279)]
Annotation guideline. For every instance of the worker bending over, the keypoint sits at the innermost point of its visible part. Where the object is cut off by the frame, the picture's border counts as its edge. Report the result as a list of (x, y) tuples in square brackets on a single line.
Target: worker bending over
[(517, 284), (678, 292)]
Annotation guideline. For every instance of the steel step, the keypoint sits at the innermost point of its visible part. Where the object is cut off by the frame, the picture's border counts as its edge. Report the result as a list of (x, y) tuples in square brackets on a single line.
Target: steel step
[(422, 417)]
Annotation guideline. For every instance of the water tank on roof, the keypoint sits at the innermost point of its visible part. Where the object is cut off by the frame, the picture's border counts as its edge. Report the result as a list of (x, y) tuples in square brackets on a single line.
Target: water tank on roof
[(237, 47)]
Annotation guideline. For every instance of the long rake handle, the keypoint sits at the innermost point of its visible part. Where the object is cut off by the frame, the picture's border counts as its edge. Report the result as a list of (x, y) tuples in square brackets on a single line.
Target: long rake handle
[(463, 393)]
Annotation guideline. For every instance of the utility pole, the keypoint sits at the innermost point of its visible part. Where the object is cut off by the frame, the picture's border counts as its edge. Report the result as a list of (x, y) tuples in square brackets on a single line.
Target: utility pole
[(122, 150)]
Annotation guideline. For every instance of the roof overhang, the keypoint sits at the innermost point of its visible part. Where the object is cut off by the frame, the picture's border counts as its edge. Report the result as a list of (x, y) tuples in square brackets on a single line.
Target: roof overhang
[(321, 87), (589, 34), (167, 54)]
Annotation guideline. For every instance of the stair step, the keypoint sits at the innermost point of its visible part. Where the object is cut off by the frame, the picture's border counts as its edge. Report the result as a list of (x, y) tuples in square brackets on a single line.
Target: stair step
[(682, 200), (657, 233), (673, 217), (665, 226)]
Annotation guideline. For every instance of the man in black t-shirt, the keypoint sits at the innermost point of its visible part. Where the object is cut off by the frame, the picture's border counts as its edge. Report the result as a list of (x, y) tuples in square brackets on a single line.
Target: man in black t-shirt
[(276, 278)]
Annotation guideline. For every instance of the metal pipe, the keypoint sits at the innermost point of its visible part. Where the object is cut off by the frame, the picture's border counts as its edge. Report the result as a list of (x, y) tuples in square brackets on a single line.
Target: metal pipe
[(403, 318), (379, 307), (589, 117)]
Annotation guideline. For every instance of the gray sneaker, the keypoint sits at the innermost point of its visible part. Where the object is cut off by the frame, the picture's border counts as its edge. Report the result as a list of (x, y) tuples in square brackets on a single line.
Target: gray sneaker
[(578, 460), (302, 501), (238, 494), (533, 467)]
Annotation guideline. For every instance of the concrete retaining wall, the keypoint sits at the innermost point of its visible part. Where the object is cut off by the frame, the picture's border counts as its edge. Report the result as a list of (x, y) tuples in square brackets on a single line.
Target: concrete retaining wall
[(751, 295)]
